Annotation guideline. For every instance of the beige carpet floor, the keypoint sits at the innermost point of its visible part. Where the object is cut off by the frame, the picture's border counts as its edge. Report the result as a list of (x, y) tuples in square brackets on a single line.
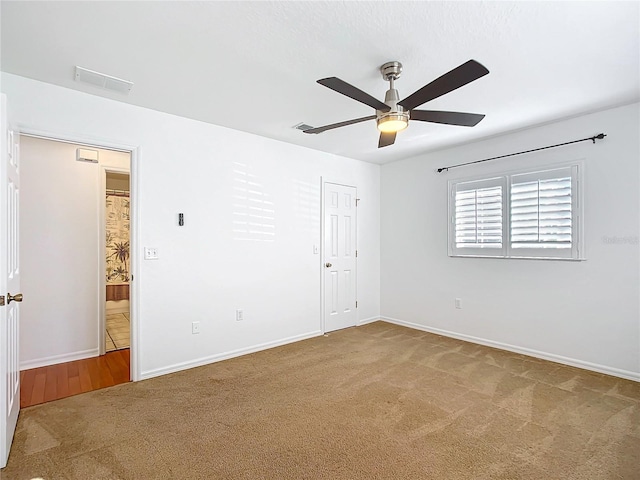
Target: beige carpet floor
[(372, 402)]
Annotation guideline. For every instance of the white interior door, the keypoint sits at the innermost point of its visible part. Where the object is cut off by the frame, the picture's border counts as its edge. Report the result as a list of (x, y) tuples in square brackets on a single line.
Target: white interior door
[(339, 257), (9, 286)]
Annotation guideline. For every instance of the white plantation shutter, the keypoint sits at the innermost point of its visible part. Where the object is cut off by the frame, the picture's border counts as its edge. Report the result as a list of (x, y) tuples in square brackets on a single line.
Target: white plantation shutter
[(528, 215), (542, 214), (477, 217)]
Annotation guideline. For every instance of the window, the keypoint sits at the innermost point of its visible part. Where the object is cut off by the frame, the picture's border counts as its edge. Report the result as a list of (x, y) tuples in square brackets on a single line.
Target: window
[(523, 215), (478, 217)]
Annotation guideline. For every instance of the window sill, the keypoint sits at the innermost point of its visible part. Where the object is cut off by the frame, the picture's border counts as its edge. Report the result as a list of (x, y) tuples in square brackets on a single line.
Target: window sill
[(515, 257)]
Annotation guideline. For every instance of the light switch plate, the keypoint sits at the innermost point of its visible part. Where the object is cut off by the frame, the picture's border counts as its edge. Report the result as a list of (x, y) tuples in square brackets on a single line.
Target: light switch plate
[(150, 253)]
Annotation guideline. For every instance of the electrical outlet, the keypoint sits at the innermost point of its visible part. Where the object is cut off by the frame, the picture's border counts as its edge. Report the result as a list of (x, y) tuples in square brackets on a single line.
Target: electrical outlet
[(150, 253), (195, 328), (458, 303), (239, 315)]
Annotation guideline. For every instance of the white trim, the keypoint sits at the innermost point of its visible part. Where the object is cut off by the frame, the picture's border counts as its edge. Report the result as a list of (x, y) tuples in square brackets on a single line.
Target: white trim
[(226, 355), (616, 372), (102, 227), (134, 260), (55, 359), (368, 320), (75, 139), (323, 328), (134, 210), (581, 259)]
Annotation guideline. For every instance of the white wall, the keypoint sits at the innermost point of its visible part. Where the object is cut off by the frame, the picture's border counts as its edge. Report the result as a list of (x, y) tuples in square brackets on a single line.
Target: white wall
[(581, 313), (206, 269), (60, 203)]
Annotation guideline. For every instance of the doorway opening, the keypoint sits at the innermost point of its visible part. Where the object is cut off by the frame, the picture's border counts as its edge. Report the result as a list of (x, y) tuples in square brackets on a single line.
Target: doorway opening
[(117, 260), (70, 194)]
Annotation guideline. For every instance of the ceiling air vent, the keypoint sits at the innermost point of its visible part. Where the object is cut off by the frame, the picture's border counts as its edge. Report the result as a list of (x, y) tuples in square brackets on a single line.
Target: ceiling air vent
[(302, 126), (103, 81)]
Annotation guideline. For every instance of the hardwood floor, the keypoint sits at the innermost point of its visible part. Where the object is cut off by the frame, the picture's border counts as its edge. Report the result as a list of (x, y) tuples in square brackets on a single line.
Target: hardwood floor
[(45, 384)]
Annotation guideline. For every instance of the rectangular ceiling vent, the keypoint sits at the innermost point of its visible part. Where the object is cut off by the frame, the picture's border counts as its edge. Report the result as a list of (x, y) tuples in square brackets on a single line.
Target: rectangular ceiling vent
[(103, 81), (302, 126)]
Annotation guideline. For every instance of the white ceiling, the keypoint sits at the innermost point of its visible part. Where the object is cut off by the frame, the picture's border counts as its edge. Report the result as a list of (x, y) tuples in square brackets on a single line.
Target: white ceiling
[(252, 66)]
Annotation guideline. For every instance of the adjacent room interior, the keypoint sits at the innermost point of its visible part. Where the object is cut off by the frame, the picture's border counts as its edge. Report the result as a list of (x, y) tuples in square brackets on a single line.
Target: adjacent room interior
[(448, 287), (117, 247), (75, 222)]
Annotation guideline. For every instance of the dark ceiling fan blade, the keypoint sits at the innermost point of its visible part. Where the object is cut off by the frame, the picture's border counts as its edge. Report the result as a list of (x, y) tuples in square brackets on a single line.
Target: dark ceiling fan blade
[(456, 78), (338, 125), (386, 139), (448, 118), (340, 86)]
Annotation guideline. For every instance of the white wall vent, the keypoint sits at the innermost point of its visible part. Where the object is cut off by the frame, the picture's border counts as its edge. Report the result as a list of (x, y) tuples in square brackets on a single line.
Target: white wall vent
[(86, 155), (103, 81)]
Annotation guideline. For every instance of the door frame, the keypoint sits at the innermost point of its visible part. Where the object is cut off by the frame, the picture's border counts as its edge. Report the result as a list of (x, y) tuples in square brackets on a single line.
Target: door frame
[(323, 182), (134, 170)]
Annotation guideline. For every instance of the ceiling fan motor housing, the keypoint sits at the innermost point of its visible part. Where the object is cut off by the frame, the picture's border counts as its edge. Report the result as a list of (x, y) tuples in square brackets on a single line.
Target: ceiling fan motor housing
[(391, 71), (396, 115), (396, 118)]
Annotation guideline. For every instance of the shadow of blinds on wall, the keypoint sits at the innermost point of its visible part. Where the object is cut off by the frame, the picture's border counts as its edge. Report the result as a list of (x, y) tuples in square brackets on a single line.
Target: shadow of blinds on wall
[(253, 207)]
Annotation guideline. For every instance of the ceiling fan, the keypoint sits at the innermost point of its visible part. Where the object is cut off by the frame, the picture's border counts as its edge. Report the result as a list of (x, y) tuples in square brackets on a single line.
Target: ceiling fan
[(393, 114)]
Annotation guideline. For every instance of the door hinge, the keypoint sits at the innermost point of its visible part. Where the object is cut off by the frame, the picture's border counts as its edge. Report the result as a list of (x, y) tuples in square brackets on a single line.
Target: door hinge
[(1, 300), (357, 200), (356, 303), (356, 253)]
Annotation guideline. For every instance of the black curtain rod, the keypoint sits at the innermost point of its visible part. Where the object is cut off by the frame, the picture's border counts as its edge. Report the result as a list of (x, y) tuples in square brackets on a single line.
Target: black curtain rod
[(600, 136)]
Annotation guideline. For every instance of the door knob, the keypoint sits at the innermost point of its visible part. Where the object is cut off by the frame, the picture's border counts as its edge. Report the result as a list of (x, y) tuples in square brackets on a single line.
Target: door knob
[(328, 265), (14, 298)]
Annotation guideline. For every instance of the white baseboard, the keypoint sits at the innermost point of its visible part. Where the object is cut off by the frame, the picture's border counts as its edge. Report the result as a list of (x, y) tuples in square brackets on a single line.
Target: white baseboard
[(225, 356), (54, 359), (616, 372), (364, 321)]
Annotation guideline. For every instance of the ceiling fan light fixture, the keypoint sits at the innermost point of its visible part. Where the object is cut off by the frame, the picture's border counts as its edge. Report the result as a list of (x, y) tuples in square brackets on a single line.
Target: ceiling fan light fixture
[(393, 122), (393, 115)]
